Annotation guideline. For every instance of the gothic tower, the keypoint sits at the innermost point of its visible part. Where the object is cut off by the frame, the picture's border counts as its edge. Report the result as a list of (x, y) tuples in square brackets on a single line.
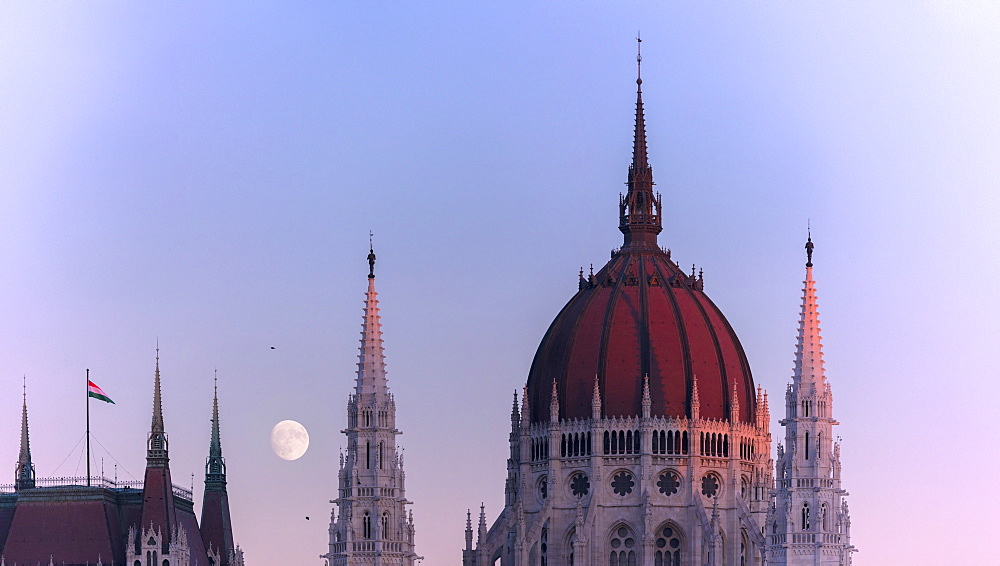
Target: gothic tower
[(370, 525), (24, 474), (809, 524), (216, 524)]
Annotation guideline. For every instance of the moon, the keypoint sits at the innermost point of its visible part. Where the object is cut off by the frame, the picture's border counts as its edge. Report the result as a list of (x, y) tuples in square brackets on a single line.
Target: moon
[(289, 440)]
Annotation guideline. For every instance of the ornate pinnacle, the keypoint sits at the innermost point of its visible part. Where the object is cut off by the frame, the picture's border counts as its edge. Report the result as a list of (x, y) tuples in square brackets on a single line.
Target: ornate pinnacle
[(695, 403), (646, 400), (734, 405), (595, 403), (554, 403)]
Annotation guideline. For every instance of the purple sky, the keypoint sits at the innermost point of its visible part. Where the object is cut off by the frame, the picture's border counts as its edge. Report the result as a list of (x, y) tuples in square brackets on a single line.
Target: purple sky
[(208, 176)]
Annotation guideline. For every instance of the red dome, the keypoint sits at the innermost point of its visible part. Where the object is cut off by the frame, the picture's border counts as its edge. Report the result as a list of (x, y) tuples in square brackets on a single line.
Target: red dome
[(641, 315)]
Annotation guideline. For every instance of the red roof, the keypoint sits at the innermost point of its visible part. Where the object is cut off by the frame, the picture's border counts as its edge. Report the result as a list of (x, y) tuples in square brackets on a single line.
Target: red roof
[(639, 315)]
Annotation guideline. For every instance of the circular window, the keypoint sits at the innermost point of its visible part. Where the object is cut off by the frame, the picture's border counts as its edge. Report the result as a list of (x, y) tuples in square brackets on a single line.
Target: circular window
[(579, 485), (668, 483), (622, 483), (709, 485)]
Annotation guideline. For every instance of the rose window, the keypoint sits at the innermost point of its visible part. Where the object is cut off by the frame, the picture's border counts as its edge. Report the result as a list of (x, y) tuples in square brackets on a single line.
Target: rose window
[(580, 485), (668, 483), (709, 486), (622, 483)]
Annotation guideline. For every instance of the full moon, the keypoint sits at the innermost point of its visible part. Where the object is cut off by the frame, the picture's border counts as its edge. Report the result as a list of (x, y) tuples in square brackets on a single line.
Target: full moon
[(289, 440)]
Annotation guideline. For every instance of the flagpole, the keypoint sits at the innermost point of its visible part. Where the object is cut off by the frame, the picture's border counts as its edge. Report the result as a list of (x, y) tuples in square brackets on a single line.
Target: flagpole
[(88, 427)]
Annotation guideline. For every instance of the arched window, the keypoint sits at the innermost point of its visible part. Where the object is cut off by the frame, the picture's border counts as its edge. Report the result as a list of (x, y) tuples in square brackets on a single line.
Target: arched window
[(824, 517), (544, 547), (622, 547), (805, 516), (368, 455), (807, 446), (744, 549), (668, 547), (607, 442), (381, 461), (384, 535), (366, 526)]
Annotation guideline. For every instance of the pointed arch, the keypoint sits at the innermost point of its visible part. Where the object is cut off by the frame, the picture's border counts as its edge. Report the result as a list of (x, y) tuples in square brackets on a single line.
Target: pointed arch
[(668, 545), (623, 546)]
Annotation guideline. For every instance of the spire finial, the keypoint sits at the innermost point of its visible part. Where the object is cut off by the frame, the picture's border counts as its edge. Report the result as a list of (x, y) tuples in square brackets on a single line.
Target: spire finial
[(809, 245), (371, 256), (638, 60)]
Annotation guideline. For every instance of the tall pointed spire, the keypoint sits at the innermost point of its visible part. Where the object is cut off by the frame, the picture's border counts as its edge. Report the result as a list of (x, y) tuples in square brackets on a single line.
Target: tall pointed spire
[(216, 523), (371, 358), (640, 209), (25, 474), (809, 347), (156, 447), (215, 466)]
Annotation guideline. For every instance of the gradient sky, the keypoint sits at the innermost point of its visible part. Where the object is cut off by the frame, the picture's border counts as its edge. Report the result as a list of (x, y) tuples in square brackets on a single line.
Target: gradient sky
[(208, 175)]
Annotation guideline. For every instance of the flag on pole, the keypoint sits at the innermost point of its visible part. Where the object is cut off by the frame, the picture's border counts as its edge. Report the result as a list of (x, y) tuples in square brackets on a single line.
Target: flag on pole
[(97, 393)]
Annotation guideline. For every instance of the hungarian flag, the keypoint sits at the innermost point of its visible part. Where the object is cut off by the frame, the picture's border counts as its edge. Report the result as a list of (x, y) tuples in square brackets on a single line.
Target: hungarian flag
[(97, 393)]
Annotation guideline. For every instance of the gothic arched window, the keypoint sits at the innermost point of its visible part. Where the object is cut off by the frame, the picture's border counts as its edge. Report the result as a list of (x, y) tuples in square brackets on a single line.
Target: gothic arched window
[(366, 526), (544, 547), (824, 517), (385, 526), (805, 516), (668, 547), (622, 547)]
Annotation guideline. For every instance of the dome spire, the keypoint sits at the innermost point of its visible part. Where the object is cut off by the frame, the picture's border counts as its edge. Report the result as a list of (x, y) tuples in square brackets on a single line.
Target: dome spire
[(640, 209)]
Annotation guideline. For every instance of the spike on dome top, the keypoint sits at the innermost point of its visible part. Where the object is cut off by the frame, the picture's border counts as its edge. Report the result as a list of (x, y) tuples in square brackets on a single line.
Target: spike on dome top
[(371, 257), (640, 209)]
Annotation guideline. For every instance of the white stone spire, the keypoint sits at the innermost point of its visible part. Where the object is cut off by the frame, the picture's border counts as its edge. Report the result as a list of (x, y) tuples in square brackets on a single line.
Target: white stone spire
[(372, 526), (804, 531), (371, 378), (808, 347)]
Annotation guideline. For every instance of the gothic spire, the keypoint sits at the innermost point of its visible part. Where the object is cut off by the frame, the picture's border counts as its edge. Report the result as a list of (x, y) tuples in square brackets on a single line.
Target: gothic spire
[(371, 358), (156, 446), (808, 347), (25, 473), (640, 208), (215, 466)]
